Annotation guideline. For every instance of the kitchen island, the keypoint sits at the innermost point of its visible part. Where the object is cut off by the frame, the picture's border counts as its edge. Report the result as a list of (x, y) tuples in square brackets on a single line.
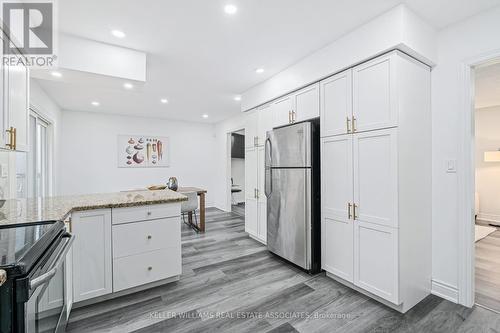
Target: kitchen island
[(124, 242)]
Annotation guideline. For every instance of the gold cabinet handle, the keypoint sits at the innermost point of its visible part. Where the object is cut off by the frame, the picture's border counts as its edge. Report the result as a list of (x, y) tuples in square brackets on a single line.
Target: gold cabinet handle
[(354, 206), (348, 124), (289, 117), (15, 138), (11, 132), (69, 223), (354, 129), (293, 116), (349, 205)]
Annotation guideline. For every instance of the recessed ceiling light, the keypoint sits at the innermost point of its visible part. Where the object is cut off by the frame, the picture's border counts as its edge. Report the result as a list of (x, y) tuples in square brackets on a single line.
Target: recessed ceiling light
[(118, 33), (230, 9), (205, 116), (237, 98), (259, 70), (56, 74), (128, 85), (164, 100), (95, 103)]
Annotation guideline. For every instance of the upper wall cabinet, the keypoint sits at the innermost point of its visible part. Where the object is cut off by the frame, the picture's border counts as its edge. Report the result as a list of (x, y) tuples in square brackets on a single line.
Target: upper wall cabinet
[(375, 94), (14, 107), (336, 104), (298, 106), (251, 129)]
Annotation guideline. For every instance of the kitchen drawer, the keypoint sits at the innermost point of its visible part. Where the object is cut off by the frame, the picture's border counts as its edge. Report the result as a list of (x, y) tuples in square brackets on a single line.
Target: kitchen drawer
[(144, 213), (136, 270), (146, 236)]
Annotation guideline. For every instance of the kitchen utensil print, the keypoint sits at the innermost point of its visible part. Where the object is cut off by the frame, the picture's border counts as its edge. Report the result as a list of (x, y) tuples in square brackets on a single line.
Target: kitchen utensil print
[(143, 151)]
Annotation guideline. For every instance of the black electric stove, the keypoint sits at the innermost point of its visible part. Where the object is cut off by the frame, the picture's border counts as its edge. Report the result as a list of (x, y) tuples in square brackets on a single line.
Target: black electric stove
[(32, 263)]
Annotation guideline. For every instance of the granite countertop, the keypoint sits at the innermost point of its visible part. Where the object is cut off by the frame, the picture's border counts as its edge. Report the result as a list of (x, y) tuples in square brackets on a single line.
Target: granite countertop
[(19, 211)]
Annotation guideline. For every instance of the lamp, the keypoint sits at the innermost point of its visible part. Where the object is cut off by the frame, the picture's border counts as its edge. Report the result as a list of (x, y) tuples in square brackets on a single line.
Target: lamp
[(492, 156)]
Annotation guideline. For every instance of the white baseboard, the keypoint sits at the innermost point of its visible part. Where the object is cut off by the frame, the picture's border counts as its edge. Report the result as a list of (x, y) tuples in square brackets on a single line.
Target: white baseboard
[(489, 217), (445, 291)]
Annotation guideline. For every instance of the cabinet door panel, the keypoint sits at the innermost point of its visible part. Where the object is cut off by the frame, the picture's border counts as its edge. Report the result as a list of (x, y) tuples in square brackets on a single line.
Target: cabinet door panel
[(376, 260), (262, 200), (264, 123), (251, 217), (250, 128), (251, 184), (336, 104), (281, 110), (92, 260), (306, 103), (376, 177), (19, 104), (337, 193), (374, 94)]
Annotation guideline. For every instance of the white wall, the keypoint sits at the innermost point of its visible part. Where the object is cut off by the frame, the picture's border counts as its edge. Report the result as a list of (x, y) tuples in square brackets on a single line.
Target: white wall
[(488, 173), (397, 28), (48, 109), (457, 45), (89, 154), (238, 175)]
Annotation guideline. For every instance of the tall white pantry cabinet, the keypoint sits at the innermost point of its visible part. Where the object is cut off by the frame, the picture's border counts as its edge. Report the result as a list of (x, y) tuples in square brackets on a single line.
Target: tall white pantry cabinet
[(376, 179)]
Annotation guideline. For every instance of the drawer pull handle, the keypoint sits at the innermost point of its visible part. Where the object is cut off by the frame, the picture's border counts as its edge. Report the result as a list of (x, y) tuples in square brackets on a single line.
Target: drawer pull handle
[(149, 236), (150, 268)]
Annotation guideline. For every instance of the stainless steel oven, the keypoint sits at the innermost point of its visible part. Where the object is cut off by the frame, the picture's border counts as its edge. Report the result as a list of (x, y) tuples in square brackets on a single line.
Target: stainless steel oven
[(34, 287)]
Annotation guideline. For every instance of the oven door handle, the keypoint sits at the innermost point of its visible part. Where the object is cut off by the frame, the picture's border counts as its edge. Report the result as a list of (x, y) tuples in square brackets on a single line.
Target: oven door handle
[(44, 278)]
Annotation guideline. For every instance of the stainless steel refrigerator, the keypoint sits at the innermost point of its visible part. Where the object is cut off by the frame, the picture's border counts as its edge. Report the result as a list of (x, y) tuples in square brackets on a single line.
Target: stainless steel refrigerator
[(292, 188)]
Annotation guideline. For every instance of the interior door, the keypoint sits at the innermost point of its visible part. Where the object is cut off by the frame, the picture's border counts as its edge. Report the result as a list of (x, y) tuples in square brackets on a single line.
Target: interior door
[(288, 214), (336, 104), (376, 177), (282, 109), (306, 103), (376, 260), (337, 194), (251, 185), (374, 94)]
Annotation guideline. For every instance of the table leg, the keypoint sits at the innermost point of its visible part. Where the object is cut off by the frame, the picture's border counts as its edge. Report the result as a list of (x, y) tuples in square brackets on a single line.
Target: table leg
[(202, 212)]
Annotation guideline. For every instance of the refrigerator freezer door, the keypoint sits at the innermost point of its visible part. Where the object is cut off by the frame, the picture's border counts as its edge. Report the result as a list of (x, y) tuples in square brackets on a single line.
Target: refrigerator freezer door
[(289, 147), (289, 215)]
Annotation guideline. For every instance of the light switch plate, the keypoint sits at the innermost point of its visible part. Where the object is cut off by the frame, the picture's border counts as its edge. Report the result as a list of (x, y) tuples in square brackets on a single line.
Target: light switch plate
[(451, 166)]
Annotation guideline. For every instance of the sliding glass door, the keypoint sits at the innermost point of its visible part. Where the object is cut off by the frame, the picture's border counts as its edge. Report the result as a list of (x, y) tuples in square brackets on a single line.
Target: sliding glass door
[(38, 159)]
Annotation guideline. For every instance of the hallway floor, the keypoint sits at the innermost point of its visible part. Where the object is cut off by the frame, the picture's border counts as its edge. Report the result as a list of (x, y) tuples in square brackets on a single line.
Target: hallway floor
[(488, 271)]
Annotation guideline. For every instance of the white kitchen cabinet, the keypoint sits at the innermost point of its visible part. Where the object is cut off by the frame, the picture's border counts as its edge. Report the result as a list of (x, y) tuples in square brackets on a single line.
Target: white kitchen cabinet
[(255, 199), (336, 104), (282, 111), (264, 123), (376, 177), (337, 194), (298, 106), (251, 129), (18, 105), (376, 180), (251, 184), (68, 292), (376, 260), (92, 258), (375, 100), (306, 103)]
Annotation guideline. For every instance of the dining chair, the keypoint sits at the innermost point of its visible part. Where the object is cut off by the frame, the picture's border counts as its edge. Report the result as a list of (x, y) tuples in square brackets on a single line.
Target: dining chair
[(190, 206)]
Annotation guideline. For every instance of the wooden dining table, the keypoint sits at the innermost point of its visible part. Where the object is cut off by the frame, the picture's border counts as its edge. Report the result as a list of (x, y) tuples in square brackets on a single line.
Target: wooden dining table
[(201, 194)]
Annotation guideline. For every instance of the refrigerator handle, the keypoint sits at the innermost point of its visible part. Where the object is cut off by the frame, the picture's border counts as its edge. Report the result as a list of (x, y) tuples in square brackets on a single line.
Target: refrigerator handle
[(268, 181)]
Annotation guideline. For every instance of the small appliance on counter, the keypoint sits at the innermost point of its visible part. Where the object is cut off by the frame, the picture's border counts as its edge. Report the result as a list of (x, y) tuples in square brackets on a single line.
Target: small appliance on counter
[(292, 188), (172, 184), (32, 262)]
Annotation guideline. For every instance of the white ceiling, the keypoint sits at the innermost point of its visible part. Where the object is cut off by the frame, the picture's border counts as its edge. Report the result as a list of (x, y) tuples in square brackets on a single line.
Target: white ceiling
[(487, 88), (200, 58)]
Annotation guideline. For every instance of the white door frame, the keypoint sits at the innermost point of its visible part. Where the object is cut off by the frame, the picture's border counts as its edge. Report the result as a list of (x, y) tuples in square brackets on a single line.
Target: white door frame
[(228, 165), (466, 180)]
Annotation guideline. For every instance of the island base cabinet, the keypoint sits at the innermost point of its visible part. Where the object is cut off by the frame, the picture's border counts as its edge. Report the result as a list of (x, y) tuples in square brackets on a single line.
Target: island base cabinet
[(92, 273), (140, 269)]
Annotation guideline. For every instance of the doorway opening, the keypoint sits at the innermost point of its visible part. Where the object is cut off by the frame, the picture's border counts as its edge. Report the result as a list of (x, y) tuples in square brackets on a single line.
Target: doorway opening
[(238, 172), (487, 185)]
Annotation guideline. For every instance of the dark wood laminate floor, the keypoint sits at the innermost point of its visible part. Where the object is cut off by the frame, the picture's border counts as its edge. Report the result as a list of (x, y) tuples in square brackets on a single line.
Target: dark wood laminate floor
[(488, 271), (230, 283)]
